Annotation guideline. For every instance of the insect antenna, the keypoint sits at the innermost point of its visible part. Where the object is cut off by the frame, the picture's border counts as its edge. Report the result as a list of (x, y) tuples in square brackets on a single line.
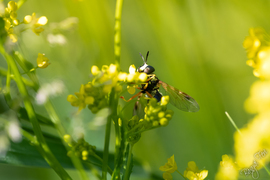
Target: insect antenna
[(142, 58), (146, 56)]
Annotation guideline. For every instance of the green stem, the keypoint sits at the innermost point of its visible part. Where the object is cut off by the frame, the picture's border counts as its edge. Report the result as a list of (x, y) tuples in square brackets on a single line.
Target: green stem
[(101, 160), (48, 155), (181, 174), (51, 111), (233, 123), (27, 82), (20, 3), (7, 90), (61, 131), (128, 169), (106, 148), (119, 148), (117, 31), (266, 169), (107, 135)]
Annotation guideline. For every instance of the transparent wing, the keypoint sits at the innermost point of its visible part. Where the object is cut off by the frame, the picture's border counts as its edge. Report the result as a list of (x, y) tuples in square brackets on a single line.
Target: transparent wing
[(139, 106), (180, 99)]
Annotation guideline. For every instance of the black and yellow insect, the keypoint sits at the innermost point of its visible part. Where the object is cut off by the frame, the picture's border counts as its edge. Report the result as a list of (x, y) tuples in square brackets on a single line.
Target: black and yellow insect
[(151, 89)]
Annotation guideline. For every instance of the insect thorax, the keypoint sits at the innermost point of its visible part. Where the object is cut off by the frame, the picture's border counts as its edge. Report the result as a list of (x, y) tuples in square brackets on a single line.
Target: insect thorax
[(152, 84)]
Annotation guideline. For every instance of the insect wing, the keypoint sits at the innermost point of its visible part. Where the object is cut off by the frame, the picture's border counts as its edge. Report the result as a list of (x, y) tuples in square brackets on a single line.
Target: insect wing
[(180, 99), (139, 106)]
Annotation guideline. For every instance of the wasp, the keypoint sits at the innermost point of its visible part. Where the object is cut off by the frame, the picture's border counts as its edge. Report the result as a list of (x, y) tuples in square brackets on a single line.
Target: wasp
[(151, 89)]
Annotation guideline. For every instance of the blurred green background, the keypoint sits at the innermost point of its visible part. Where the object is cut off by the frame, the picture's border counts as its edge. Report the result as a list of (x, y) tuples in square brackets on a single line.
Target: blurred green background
[(195, 46)]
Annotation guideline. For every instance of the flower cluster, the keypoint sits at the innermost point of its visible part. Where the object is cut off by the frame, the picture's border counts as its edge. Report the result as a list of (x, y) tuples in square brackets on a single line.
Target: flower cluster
[(192, 172), (168, 168), (255, 136), (81, 148), (257, 45), (35, 23), (132, 79), (95, 93), (156, 114), (228, 169), (10, 18)]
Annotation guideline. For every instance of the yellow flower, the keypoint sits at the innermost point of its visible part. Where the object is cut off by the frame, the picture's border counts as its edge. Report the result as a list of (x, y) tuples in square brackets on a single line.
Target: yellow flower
[(157, 113), (135, 77), (164, 100), (259, 99), (227, 169), (81, 100), (193, 173), (42, 61), (10, 18), (122, 76), (170, 166), (35, 22), (167, 176), (132, 69), (254, 138), (253, 42), (12, 6), (262, 66), (13, 37)]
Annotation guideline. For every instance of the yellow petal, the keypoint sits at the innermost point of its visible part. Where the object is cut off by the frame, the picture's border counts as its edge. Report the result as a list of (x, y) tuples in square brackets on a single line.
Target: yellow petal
[(95, 70), (164, 100), (143, 77), (167, 176), (203, 174), (122, 76), (132, 69), (27, 19), (42, 20)]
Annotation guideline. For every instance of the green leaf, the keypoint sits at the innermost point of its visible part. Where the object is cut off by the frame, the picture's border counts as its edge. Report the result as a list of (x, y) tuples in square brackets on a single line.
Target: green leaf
[(25, 154)]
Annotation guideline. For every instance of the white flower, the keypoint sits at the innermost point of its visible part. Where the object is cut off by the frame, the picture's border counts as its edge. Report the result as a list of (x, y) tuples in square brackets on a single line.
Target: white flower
[(49, 90), (14, 131)]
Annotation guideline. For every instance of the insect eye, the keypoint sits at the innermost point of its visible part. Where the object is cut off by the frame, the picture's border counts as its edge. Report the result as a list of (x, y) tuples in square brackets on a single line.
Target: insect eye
[(149, 69)]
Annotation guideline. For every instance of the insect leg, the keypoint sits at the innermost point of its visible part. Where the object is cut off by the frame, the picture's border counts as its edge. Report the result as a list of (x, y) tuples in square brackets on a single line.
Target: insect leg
[(131, 97), (149, 94)]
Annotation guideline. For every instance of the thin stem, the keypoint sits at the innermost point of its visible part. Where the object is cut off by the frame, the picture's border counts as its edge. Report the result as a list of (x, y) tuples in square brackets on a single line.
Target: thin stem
[(181, 174), (61, 131), (27, 82), (233, 123), (107, 136), (128, 169), (235, 126), (53, 115), (119, 148), (48, 155), (266, 169), (7, 89), (117, 31), (20, 3), (141, 131), (106, 148), (101, 160)]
